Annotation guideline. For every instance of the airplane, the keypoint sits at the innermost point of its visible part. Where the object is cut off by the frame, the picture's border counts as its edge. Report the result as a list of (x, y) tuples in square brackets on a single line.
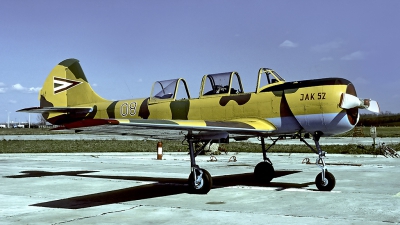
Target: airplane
[(223, 111)]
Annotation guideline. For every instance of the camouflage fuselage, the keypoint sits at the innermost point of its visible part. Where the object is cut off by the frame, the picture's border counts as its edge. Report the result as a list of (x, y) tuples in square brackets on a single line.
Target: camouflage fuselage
[(310, 106)]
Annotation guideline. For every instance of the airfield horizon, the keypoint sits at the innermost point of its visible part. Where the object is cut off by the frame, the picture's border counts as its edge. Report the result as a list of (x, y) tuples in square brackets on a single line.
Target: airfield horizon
[(43, 140)]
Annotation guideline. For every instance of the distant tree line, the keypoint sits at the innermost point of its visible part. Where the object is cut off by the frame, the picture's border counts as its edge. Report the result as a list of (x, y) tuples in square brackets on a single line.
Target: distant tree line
[(382, 119)]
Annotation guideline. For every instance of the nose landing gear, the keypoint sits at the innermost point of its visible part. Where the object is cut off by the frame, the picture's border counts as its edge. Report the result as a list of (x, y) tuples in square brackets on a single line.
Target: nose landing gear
[(324, 181)]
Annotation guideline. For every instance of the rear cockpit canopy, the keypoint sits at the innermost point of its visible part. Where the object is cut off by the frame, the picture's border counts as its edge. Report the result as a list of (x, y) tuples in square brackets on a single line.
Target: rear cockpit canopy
[(221, 83), (170, 90)]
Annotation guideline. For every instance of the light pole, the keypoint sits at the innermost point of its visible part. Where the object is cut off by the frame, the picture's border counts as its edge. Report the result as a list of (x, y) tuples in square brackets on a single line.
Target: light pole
[(8, 120)]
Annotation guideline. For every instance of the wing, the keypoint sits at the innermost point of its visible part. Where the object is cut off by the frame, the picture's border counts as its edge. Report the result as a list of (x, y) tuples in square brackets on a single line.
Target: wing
[(174, 129)]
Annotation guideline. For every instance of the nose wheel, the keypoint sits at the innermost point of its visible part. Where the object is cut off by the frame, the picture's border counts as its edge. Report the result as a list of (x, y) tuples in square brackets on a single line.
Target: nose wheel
[(326, 183)]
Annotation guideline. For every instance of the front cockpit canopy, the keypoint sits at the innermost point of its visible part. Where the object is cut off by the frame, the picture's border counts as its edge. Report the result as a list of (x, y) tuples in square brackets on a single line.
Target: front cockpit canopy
[(271, 78)]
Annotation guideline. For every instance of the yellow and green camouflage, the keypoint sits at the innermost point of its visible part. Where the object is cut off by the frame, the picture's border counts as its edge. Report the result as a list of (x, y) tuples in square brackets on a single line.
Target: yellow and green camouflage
[(275, 107)]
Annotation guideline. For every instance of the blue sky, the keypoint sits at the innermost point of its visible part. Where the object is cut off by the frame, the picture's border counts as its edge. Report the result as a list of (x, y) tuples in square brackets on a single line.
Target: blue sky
[(124, 46)]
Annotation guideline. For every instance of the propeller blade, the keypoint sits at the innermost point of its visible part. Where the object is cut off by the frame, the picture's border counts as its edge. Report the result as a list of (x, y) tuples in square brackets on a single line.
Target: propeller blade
[(348, 101), (373, 106)]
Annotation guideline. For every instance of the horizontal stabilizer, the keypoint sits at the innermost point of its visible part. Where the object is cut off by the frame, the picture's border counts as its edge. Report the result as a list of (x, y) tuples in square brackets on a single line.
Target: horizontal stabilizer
[(57, 110), (348, 101)]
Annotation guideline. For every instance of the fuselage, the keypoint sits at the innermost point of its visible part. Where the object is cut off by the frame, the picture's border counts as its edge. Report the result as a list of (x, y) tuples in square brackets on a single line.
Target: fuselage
[(308, 106)]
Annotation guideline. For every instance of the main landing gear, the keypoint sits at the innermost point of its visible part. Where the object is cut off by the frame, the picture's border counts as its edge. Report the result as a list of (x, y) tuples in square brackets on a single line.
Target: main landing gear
[(325, 181), (264, 171), (200, 180)]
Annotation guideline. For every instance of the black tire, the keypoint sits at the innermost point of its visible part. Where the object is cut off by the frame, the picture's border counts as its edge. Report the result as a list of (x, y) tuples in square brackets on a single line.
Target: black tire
[(325, 187), (204, 187), (264, 172)]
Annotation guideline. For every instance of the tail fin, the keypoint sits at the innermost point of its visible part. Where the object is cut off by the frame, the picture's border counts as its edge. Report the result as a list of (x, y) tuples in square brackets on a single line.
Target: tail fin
[(67, 86)]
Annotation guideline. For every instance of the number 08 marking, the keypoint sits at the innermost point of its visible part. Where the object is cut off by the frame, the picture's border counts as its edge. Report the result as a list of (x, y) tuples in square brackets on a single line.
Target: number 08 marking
[(127, 108)]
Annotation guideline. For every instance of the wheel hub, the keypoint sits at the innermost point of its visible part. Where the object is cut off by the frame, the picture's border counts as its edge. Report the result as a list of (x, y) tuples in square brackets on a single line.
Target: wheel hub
[(324, 182), (198, 184)]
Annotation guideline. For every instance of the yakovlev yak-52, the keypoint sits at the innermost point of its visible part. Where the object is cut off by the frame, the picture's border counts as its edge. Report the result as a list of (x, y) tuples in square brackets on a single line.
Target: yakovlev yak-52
[(320, 107)]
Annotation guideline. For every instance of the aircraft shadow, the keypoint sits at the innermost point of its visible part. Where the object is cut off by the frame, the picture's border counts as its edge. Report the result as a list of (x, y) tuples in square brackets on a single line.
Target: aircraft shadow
[(161, 187)]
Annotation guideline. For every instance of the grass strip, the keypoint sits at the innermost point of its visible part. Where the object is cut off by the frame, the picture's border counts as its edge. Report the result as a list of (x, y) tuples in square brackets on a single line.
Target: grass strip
[(393, 131), (80, 146)]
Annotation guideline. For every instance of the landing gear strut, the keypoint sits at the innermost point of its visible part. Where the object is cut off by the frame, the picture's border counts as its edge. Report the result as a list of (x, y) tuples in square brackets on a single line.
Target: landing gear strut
[(200, 180), (324, 181), (264, 171)]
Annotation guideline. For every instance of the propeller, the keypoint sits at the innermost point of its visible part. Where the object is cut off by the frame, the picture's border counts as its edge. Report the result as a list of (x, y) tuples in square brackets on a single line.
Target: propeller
[(348, 101)]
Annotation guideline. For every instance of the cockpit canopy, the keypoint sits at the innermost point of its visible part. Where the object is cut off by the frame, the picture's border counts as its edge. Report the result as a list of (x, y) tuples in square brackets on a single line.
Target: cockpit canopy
[(221, 83), (170, 90), (270, 79)]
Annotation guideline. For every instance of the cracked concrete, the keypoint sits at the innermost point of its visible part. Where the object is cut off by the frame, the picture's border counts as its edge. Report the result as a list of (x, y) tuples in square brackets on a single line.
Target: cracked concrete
[(134, 188)]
